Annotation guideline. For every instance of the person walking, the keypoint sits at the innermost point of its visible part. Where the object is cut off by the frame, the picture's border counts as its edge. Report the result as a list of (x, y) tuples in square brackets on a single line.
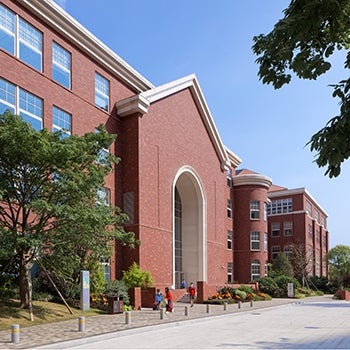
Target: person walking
[(158, 300), (169, 300), (192, 293)]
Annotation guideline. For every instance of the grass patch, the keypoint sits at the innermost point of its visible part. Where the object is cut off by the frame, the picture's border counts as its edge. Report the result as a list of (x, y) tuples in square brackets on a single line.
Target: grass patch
[(43, 312)]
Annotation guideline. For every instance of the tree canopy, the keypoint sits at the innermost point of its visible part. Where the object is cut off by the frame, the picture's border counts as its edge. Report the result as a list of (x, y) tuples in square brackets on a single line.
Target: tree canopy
[(302, 43), (339, 262), (49, 202)]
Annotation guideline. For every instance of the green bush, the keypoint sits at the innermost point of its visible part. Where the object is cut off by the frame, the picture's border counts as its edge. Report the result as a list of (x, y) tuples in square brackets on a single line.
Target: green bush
[(117, 288), (135, 277), (240, 294), (247, 289)]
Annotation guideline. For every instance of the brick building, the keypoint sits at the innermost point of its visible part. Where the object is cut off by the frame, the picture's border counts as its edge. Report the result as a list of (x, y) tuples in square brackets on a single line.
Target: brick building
[(195, 217)]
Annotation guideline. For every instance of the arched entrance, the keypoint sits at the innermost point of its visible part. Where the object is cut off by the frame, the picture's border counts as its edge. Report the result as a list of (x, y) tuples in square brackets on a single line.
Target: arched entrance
[(189, 228)]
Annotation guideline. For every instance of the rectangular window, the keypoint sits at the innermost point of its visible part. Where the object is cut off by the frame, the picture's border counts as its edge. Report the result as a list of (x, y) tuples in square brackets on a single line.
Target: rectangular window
[(229, 177), (275, 229), (265, 211), (229, 240), (308, 208), (229, 272), (61, 121), (7, 30), (316, 214), (7, 96), (101, 92), (104, 196), (31, 109), (229, 208), (255, 270), (309, 231), (265, 241), (254, 210), (288, 228), (280, 206), (288, 250), (275, 250), (30, 45), (61, 65), (318, 236), (255, 240)]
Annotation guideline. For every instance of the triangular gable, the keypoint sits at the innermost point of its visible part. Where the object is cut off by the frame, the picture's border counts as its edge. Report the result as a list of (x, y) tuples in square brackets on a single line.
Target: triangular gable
[(140, 103)]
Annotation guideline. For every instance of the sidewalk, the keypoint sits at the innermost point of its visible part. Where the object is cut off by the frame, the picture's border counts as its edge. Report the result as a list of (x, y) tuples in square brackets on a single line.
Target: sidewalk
[(36, 336)]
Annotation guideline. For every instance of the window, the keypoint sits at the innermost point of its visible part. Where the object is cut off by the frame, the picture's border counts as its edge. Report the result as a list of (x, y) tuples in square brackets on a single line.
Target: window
[(61, 121), (309, 231), (265, 241), (254, 240), (288, 228), (266, 269), (7, 96), (323, 221), (61, 65), (30, 45), (308, 208), (255, 270), (229, 177), (275, 229), (31, 109), (20, 38), (316, 214), (288, 251), (229, 208), (104, 196), (229, 272), (280, 206), (254, 210), (275, 250), (318, 236), (101, 92), (265, 211), (229, 240), (7, 30)]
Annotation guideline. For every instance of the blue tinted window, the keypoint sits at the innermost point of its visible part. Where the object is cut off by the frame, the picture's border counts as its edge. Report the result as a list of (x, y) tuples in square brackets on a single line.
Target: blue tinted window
[(61, 65), (7, 30), (61, 120), (31, 109), (101, 92), (7, 96)]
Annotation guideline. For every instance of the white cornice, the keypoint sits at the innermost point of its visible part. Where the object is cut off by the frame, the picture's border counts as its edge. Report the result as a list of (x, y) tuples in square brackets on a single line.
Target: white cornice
[(234, 159), (131, 105), (73, 31), (252, 179)]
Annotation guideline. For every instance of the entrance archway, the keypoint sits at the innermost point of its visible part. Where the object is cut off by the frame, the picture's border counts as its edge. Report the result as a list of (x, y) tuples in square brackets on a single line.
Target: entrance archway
[(189, 228)]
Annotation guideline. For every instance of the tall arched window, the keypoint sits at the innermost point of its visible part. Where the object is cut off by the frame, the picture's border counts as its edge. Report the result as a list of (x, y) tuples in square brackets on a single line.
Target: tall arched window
[(178, 239)]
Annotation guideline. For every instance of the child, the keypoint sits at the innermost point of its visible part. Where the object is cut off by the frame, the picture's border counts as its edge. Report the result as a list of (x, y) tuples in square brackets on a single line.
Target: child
[(158, 300)]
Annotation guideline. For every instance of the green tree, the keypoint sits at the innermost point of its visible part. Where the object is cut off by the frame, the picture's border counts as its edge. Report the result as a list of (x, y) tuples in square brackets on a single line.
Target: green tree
[(302, 42), (48, 198), (339, 262), (282, 266)]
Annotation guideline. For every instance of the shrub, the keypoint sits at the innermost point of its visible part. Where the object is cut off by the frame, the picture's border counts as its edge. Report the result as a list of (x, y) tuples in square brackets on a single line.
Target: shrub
[(135, 277), (117, 288)]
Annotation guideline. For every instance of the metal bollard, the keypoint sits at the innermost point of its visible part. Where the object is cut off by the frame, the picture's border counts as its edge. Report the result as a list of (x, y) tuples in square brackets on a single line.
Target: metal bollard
[(239, 304), (251, 303), (127, 317), (208, 308), (15, 333), (161, 313), (81, 324), (225, 306), (186, 310)]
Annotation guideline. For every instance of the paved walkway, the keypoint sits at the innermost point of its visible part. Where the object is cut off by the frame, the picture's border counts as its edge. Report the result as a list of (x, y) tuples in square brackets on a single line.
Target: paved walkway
[(51, 333)]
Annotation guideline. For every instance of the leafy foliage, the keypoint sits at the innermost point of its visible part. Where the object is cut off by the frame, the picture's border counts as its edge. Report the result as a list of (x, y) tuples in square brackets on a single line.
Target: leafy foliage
[(117, 288), (282, 266), (135, 277), (339, 263), (49, 203), (302, 42)]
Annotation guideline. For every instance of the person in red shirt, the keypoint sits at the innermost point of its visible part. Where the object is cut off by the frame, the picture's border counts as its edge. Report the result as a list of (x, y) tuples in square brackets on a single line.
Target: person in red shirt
[(169, 300), (192, 293)]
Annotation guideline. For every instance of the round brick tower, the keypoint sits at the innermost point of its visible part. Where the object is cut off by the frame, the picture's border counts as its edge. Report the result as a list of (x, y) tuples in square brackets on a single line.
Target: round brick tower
[(250, 225)]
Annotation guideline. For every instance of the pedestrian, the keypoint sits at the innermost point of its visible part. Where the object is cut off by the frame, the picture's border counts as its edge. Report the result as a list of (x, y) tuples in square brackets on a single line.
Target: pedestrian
[(192, 293), (169, 300), (183, 284), (158, 300)]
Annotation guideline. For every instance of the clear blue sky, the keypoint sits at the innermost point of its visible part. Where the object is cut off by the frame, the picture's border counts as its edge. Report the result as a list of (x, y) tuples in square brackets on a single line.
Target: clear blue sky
[(268, 129)]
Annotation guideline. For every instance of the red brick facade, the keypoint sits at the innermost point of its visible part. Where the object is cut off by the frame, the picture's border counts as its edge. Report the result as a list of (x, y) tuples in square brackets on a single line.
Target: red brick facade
[(171, 157)]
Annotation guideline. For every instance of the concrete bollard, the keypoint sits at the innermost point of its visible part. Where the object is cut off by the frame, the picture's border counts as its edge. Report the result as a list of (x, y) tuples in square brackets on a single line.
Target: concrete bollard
[(186, 310), (225, 306), (161, 313), (208, 309), (251, 303), (81, 324), (239, 304), (127, 317), (15, 333)]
